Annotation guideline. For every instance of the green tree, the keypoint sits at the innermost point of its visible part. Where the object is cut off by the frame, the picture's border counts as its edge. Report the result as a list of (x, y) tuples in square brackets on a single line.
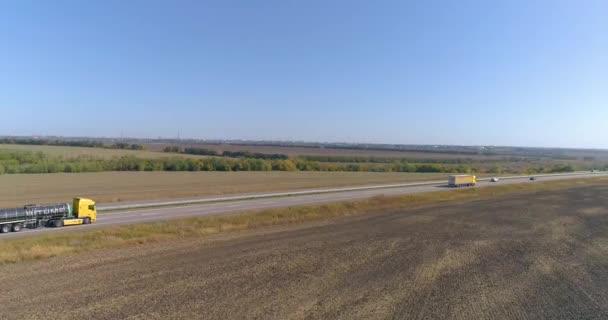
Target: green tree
[(284, 165)]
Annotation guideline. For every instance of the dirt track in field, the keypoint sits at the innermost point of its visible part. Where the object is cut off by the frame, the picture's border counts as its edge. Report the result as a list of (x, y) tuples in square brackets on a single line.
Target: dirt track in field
[(537, 256)]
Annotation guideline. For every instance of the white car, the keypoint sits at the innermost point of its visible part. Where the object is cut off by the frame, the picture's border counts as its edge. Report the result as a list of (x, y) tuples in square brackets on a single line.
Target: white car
[(494, 180)]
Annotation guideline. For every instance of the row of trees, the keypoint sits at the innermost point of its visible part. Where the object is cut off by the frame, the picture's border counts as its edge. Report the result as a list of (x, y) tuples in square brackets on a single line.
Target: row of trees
[(53, 142), (38, 162), (230, 154), (71, 143), (247, 154), (198, 151), (556, 168), (359, 159), (130, 163), (127, 146)]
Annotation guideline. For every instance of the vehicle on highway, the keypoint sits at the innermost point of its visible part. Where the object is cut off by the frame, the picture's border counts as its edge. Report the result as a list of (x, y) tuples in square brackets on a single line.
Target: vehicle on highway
[(462, 180), (82, 211), (494, 179), (532, 178)]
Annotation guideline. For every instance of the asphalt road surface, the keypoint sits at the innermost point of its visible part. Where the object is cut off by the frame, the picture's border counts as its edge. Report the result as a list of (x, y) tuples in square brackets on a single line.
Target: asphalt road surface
[(299, 198), (529, 256)]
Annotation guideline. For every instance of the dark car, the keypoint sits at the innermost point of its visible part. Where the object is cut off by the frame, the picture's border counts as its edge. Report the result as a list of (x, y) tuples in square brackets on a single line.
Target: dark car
[(532, 178)]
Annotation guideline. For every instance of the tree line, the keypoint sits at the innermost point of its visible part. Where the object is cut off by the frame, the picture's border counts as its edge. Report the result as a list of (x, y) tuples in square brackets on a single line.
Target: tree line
[(360, 159), (230, 154), (71, 143), (38, 162)]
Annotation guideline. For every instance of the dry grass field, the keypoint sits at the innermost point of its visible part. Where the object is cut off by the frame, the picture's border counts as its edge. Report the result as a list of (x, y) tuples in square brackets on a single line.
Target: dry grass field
[(20, 189), (540, 255)]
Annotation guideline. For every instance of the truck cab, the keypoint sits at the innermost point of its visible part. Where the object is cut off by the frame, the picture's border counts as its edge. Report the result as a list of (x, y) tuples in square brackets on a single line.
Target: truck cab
[(85, 210)]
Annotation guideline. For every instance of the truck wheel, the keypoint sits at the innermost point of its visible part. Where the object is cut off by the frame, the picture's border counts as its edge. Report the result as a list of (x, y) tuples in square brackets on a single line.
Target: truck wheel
[(58, 223), (17, 227), (5, 228), (86, 220)]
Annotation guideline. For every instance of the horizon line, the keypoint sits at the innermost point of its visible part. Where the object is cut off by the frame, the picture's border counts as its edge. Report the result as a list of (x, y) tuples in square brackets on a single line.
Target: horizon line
[(293, 141)]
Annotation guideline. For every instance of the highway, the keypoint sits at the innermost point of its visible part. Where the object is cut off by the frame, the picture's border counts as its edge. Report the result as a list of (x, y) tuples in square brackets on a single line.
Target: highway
[(189, 201), (225, 205)]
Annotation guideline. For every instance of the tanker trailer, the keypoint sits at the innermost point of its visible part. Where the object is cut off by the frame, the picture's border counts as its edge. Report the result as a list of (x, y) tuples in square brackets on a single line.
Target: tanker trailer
[(82, 211)]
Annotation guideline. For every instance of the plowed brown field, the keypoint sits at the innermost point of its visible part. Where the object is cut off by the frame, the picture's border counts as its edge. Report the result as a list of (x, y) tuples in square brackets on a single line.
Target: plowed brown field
[(535, 256)]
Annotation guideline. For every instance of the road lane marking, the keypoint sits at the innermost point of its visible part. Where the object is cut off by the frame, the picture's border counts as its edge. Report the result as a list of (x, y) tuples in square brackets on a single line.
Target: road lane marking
[(150, 214), (233, 206)]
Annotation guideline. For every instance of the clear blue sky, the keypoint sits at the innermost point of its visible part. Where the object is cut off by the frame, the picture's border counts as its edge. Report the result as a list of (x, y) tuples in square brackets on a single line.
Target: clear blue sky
[(532, 73)]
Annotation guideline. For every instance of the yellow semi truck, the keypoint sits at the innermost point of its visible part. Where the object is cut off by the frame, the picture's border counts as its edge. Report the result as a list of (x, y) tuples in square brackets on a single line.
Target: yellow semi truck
[(82, 211), (462, 180)]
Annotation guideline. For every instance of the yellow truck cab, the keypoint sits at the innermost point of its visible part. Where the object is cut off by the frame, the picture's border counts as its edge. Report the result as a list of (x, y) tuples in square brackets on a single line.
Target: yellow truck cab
[(84, 212)]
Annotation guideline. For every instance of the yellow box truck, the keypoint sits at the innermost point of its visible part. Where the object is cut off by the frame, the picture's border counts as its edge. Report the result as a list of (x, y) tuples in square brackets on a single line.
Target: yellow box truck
[(462, 180)]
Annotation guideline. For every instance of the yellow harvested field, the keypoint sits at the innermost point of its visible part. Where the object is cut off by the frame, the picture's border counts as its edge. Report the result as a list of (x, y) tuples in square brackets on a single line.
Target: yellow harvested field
[(20, 189)]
